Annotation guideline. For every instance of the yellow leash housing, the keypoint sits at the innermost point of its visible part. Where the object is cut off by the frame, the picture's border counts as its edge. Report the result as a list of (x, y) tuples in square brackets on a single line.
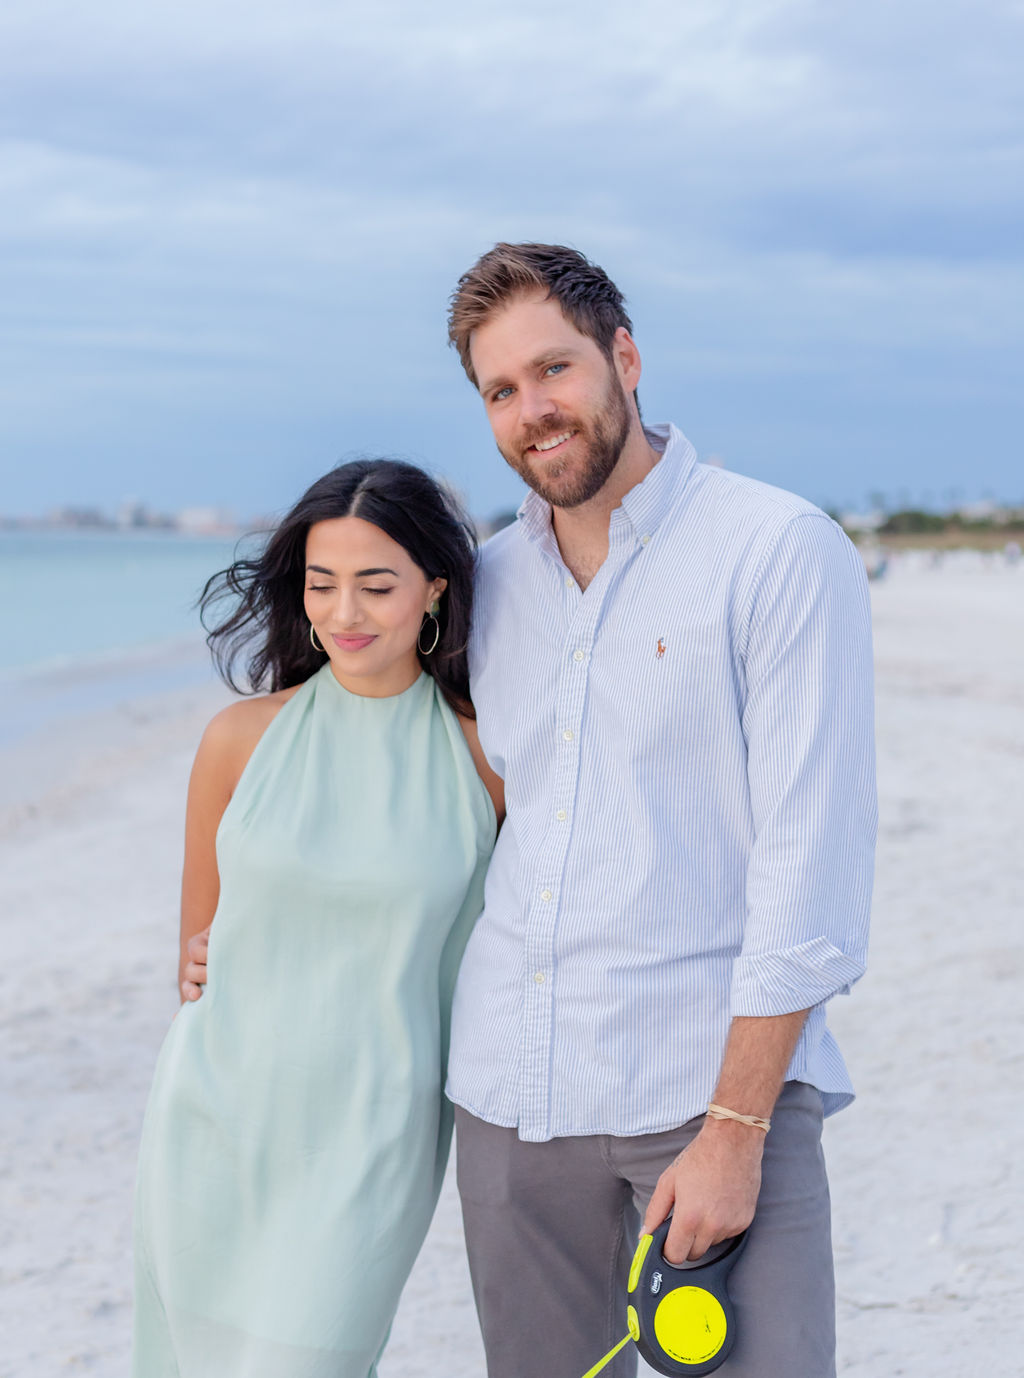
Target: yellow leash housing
[(680, 1317)]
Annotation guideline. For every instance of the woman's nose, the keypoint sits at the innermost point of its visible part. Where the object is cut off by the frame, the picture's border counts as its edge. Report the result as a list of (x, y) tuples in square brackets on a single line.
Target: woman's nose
[(347, 609)]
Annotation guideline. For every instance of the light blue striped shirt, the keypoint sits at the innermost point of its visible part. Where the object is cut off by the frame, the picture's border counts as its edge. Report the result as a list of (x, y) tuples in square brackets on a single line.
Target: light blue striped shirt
[(687, 750)]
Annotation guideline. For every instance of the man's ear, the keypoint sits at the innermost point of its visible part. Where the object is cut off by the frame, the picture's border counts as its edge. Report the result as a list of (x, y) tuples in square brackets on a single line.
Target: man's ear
[(626, 358)]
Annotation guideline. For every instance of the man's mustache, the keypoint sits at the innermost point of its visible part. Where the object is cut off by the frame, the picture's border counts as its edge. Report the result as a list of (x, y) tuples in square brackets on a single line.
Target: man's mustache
[(543, 430)]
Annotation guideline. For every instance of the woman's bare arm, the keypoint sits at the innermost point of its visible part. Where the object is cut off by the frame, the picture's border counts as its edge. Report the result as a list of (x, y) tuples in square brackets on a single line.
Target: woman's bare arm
[(494, 784), (224, 751)]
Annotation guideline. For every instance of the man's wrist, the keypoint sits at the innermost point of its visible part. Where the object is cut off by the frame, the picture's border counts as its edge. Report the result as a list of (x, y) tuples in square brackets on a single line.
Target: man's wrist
[(722, 1112), (732, 1137)]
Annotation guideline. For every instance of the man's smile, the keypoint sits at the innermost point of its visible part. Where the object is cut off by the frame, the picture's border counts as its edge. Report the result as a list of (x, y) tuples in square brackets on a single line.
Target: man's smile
[(552, 442)]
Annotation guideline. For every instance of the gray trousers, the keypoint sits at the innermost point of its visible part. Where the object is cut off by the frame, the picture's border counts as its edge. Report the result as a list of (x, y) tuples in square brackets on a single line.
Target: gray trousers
[(551, 1228)]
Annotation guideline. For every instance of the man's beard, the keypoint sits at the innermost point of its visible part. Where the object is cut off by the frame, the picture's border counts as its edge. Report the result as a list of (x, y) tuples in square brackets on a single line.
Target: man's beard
[(604, 436)]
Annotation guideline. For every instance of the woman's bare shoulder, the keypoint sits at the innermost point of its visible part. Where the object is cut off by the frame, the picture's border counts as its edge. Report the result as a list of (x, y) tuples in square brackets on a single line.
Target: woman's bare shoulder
[(231, 735), (246, 716)]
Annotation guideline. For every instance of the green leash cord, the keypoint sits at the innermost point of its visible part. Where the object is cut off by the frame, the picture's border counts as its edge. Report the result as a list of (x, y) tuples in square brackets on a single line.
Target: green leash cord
[(632, 1319), (591, 1372)]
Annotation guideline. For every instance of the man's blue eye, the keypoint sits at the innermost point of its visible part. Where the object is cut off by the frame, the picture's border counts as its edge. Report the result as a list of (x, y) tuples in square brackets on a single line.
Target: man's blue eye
[(501, 394), (555, 368)]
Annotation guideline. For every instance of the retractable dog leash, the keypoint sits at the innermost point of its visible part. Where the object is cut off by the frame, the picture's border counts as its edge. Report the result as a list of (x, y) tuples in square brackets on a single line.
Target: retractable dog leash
[(680, 1316)]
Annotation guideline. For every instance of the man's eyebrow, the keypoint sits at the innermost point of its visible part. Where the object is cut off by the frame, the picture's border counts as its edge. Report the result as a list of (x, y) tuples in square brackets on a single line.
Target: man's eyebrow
[(549, 356)]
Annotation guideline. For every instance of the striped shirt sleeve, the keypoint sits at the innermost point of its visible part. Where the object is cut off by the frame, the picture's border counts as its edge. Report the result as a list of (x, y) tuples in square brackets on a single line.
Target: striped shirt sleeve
[(808, 724)]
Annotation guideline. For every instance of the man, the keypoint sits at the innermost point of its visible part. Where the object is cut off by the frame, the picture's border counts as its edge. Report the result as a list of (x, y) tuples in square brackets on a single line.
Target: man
[(671, 667)]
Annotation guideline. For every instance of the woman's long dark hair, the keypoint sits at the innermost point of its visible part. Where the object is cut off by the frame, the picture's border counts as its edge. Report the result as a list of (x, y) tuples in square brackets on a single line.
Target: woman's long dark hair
[(253, 610)]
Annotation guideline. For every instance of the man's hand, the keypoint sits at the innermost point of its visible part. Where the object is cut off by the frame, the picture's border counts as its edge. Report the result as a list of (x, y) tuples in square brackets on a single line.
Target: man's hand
[(194, 970), (711, 1188)]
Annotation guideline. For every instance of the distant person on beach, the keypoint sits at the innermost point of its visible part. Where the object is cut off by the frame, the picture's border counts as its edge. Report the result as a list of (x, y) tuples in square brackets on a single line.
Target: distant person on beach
[(339, 826), (671, 668)]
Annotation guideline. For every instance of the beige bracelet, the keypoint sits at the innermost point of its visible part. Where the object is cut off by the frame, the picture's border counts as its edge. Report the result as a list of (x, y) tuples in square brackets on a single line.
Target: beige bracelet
[(719, 1112)]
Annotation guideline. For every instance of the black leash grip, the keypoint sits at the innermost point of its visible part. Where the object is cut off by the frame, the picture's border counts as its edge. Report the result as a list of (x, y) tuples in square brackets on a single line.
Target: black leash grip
[(683, 1313)]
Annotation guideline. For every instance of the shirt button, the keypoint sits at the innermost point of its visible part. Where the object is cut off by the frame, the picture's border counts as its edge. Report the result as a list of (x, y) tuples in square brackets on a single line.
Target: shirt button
[(568, 734), (570, 582), (645, 540), (545, 895), (578, 655), (538, 976), (561, 815)]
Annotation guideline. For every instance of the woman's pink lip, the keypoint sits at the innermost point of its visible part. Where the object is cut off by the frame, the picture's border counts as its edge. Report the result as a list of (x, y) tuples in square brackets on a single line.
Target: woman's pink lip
[(351, 643)]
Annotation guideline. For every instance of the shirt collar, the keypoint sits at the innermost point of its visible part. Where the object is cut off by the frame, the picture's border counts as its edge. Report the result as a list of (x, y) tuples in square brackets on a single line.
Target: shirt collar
[(643, 506)]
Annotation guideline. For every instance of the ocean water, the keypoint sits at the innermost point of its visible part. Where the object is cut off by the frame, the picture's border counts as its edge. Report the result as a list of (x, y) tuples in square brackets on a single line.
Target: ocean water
[(88, 620), (68, 596)]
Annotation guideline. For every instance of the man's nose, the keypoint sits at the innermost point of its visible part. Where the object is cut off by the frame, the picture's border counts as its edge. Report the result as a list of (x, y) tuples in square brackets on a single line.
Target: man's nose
[(535, 405)]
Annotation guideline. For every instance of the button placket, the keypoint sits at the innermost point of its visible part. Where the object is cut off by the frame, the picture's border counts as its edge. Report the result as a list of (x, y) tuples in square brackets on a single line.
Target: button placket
[(585, 612)]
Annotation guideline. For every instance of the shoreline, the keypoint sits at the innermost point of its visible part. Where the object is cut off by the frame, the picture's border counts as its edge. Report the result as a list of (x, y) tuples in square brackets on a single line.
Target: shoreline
[(62, 738), (39, 695)]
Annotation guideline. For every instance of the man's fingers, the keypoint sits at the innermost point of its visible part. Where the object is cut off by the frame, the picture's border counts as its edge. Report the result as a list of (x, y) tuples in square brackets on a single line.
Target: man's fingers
[(711, 1231), (659, 1205), (689, 1239), (679, 1240)]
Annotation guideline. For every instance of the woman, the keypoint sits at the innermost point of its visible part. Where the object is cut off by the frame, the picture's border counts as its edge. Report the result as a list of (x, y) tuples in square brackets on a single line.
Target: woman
[(340, 826)]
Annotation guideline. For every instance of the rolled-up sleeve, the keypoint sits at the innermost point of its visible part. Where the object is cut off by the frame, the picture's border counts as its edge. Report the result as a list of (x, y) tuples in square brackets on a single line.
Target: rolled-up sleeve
[(808, 722)]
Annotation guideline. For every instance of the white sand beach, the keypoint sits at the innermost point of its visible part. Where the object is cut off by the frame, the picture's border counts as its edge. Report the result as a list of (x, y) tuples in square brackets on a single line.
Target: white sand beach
[(927, 1185)]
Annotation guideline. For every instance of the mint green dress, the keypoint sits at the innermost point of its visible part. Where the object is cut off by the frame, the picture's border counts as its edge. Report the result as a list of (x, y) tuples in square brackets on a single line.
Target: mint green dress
[(296, 1132)]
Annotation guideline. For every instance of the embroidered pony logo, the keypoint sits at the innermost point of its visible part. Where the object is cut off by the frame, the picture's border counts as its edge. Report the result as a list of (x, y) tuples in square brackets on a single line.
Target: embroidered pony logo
[(661, 647)]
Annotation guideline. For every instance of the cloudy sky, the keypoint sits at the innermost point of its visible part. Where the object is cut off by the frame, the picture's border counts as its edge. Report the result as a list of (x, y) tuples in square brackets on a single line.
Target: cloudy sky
[(228, 232)]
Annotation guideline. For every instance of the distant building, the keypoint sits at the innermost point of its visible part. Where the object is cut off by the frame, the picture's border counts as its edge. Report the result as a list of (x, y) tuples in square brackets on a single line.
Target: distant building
[(205, 521), (861, 521), (79, 518), (983, 511), (133, 515)]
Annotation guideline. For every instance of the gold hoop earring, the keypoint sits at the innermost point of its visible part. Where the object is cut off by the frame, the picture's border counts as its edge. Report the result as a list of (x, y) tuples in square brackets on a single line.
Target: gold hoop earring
[(430, 616), (315, 644)]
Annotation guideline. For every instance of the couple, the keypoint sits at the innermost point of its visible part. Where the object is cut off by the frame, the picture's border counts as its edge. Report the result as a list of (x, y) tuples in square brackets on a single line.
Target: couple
[(668, 687)]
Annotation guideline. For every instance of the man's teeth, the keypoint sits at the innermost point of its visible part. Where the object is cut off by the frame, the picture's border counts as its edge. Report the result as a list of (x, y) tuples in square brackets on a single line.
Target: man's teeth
[(554, 440)]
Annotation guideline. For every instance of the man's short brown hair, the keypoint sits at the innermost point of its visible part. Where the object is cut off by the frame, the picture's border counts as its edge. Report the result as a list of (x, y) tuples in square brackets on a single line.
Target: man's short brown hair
[(585, 292)]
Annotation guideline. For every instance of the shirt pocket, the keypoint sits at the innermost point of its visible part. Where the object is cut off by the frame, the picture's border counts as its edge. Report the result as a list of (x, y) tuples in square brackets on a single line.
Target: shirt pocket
[(670, 684)]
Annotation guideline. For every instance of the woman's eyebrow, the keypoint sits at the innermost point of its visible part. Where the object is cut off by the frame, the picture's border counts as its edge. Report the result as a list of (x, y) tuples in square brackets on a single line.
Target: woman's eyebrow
[(359, 574)]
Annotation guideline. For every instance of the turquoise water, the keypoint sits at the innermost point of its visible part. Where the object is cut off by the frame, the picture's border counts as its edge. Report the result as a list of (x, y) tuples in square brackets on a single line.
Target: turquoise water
[(91, 621), (69, 597)]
